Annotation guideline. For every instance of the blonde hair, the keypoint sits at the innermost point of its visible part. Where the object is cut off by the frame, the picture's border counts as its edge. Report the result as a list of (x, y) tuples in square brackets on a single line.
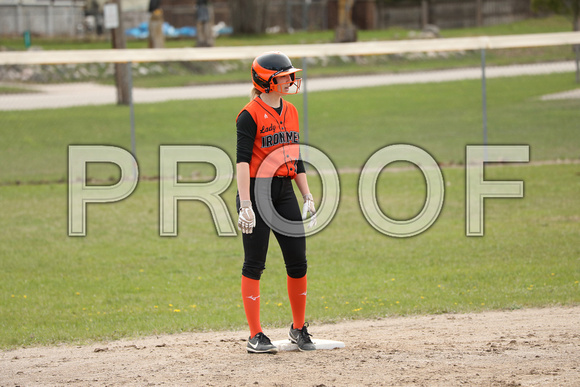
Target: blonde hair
[(254, 93)]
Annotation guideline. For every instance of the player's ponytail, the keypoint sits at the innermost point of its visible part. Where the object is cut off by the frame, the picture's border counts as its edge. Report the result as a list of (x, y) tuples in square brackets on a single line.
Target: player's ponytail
[(254, 93)]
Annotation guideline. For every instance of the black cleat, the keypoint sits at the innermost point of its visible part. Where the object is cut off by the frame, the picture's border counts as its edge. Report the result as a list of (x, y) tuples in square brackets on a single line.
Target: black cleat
[(260, 344), (301, 337)]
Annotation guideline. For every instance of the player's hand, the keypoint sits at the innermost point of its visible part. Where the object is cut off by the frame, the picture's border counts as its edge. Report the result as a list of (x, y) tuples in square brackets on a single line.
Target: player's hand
[(246, 218), (308, 209)]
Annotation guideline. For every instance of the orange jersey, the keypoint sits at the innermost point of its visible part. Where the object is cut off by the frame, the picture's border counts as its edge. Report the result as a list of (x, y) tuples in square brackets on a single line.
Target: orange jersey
[(274, 131)]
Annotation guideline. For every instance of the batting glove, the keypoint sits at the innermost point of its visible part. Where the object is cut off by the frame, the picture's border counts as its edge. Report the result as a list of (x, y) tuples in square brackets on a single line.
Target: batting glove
[(247, 218), (308, 209)]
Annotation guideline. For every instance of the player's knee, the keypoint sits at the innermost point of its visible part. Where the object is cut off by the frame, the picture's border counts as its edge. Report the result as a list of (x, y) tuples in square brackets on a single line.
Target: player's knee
[(297, 270), (252, 272)]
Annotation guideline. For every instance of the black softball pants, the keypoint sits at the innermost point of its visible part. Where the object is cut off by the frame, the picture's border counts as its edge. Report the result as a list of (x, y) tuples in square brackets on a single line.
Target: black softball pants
[(256, 244)]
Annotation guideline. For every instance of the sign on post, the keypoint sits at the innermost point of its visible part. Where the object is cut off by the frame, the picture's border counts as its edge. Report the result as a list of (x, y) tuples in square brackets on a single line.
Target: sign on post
[(111, 15)]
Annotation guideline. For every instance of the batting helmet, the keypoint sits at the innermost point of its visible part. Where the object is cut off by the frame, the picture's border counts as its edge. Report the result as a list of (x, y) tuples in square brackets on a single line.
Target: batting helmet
[(270, 65)]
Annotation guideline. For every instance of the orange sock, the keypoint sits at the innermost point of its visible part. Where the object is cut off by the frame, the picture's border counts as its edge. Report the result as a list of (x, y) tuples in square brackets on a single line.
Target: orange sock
[(251, 297), (297, 296)]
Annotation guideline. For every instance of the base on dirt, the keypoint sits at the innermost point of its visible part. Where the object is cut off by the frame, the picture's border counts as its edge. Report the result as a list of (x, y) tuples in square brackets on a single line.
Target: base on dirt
[(286, 345)]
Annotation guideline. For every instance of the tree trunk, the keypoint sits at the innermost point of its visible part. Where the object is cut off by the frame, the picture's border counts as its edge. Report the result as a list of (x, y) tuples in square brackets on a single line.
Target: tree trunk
[(345, 30), (250, 16), (576, 15), (156, 38), (479, 12)]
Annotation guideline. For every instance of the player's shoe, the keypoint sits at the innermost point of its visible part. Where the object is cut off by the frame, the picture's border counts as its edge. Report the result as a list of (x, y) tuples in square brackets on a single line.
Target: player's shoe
[(260, 344), (301, 337)]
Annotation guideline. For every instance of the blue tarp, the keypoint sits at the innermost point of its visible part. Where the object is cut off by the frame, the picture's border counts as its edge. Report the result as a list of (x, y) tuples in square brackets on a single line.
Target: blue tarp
[(142, 32)]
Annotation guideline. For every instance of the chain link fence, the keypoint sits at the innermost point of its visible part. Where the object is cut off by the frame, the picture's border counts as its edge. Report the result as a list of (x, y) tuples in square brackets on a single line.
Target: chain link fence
[(40, 93)]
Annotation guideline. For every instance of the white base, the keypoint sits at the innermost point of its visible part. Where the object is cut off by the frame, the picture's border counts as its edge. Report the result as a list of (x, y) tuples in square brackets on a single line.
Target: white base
[(286, 345)]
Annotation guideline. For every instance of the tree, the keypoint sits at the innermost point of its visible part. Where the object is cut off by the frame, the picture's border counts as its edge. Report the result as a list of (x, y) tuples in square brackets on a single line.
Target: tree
[(567, 7), (249, 16)]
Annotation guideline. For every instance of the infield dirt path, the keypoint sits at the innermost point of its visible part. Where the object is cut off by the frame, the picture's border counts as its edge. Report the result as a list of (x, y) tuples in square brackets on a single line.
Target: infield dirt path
[(530, 347)]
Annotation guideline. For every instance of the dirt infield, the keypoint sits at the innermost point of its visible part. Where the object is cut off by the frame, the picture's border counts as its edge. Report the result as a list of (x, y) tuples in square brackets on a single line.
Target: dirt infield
[(530, 347)]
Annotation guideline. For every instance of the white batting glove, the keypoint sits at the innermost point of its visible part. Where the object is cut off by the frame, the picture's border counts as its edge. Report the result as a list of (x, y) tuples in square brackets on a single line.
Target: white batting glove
[(308, 209), (246, 218)]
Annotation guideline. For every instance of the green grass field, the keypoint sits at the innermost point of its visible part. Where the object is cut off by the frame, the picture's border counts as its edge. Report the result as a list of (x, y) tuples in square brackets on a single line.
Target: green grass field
[(122, 279), (440, 117)]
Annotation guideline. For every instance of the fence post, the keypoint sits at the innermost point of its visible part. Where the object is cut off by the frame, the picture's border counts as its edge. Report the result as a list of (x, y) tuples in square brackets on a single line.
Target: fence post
[(19, 18), (131, 108), (484, 102), (305, 105), (577, 49), (424, 13), (50, 19)]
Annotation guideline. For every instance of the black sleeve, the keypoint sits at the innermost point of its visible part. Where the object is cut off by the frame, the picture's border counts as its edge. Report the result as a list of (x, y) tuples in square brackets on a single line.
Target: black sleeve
[(300, 166), (246, 133)]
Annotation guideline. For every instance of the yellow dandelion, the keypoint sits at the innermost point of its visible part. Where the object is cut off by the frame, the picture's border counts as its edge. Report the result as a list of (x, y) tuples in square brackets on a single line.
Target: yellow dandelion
[(279, 304), (396, 302), (176, 310), (193, 306), (24, 296), (155, 306), (170, 305), (77, 293), (347, 303), (141, 270)]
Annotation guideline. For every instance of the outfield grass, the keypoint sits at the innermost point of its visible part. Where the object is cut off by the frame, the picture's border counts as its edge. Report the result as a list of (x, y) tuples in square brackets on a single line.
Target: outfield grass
[(122, 279), (439, 117)]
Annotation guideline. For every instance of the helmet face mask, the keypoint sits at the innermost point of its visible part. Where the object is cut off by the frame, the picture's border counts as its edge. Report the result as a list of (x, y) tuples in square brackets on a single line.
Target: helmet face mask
[(269, 66), (290, 87)]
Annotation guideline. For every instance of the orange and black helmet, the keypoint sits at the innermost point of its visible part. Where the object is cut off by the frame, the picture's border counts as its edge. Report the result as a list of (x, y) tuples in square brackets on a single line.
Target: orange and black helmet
[(270, 65)]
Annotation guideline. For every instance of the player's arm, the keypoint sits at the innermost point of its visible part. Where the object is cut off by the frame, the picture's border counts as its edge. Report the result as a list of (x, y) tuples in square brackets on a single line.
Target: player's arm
[(246, 133), (243, 179), (302, 183), (308, 207)]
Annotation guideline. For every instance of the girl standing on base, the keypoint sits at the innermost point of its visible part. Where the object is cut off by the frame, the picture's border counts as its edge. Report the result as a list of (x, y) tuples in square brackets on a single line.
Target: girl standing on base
[(266, 124)]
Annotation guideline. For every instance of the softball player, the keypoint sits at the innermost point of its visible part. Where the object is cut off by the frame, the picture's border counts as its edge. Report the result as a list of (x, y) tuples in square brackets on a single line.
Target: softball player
[(268, 123)]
